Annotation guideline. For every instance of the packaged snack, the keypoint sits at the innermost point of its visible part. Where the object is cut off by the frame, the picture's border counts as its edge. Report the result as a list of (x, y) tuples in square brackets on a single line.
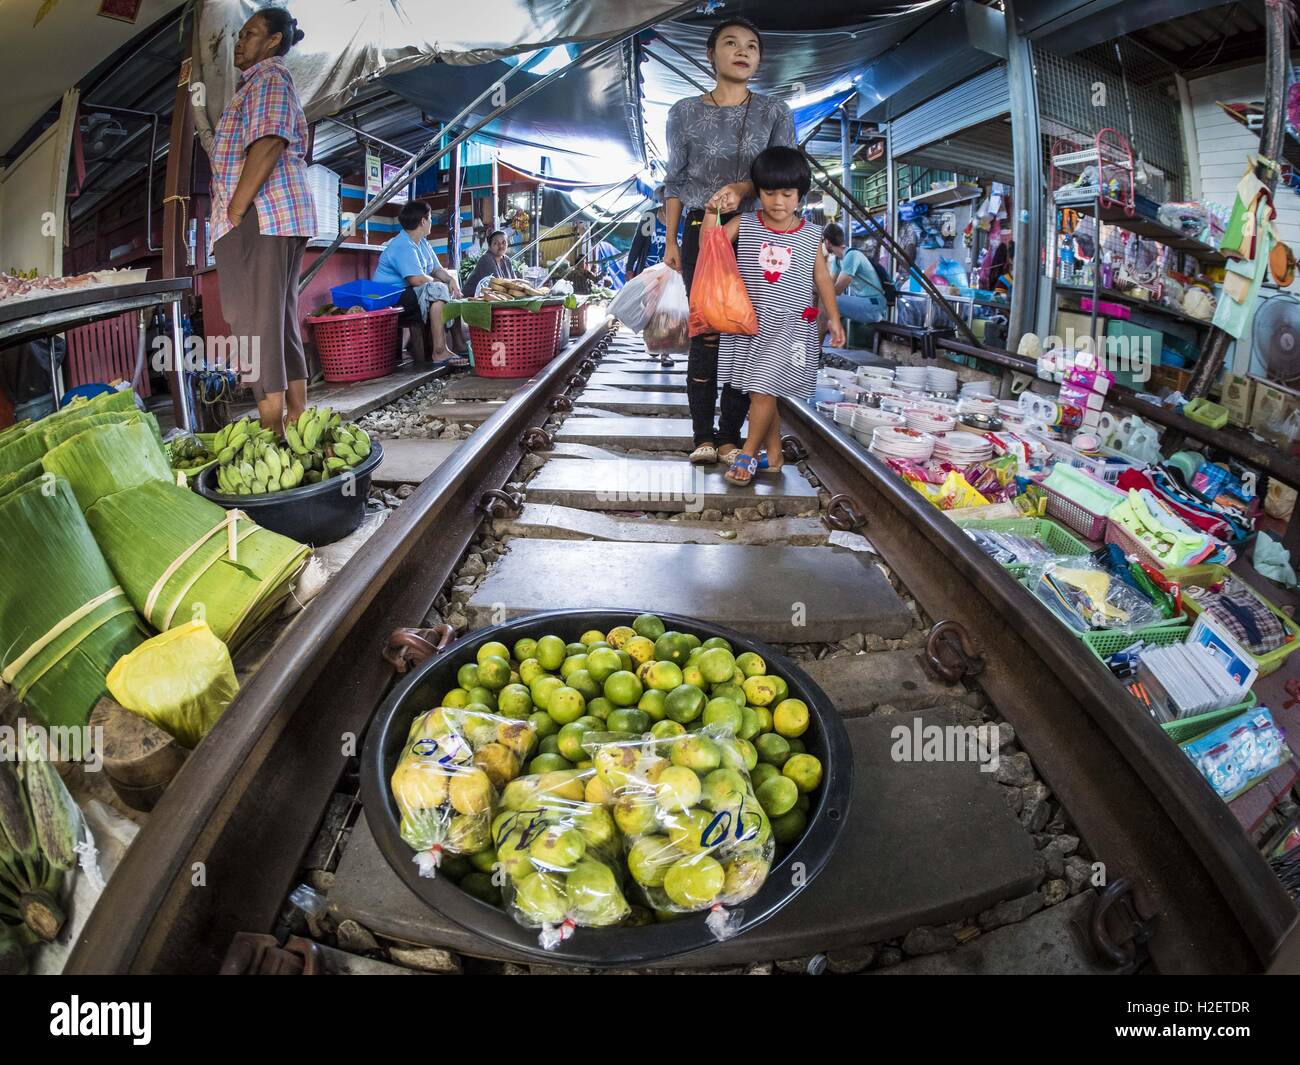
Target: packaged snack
[(697, 835), (1240, 752), (449, 775), (558, 856)]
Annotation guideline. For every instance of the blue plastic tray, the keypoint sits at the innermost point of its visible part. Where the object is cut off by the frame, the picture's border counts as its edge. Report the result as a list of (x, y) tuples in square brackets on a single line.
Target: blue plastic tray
[(372, 295)]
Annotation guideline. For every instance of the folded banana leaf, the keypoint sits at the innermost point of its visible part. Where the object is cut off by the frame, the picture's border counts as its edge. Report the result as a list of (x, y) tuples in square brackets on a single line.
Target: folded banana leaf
[(169, 549), (11, 482), (105, 459), (64, 621), (54, 434), (21, 449)]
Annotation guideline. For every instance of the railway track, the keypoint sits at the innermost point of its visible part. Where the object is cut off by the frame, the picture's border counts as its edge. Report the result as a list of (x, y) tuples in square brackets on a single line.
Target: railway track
[(575, 493)]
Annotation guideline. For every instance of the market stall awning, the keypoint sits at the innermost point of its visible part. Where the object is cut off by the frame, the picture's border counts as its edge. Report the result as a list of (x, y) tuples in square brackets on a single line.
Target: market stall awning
[(585, 127)]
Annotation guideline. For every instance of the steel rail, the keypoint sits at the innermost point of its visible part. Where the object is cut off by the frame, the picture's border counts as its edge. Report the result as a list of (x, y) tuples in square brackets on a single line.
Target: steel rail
[(220, 850), (1135, 797)]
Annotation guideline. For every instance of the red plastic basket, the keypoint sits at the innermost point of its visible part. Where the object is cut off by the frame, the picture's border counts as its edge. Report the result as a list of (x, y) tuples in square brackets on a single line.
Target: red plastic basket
[(578, 324), (519, 344), (1119, 536), (357, 347)]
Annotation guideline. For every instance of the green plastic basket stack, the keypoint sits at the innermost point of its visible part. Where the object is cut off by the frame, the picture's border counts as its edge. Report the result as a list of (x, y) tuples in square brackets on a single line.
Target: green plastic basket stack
[(1046, 532)]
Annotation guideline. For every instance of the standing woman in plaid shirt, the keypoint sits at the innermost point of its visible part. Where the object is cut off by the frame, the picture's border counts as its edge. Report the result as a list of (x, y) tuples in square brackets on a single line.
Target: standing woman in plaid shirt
[(263, 213)]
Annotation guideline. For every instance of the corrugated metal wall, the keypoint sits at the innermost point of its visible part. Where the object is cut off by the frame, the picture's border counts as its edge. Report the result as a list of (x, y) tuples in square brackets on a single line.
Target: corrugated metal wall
[(983, 97)]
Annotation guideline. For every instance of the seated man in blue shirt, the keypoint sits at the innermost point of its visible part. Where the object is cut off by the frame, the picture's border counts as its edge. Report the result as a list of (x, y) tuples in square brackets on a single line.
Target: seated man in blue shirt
[(409, 259), (859, 291)]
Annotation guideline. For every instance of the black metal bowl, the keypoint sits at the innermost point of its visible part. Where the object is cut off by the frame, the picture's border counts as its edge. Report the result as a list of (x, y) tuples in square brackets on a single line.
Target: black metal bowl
[(418, 691)]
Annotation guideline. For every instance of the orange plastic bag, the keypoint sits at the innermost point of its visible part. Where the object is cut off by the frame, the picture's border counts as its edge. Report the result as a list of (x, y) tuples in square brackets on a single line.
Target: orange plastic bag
[(719, 300)]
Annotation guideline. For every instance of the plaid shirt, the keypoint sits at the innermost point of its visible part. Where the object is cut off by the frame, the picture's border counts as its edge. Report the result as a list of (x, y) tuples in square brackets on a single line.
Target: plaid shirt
[(264, 105)]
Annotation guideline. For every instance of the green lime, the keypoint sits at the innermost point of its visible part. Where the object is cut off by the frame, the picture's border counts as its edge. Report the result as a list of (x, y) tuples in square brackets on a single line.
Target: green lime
[(692, 641), (493, 649), (614, 765), (759, 690), (626, 661), (749, 723), (666, 730), (628, 719), (577, 647), (639, 649), (550, 652), (688, 830), (529, 670), (558, 847), (650, 858), (483, 695), (550, 743), (691, 675), (584, 682), (764, 718), (566, 705), (623, 688), (572, 664), (782, 688), (591, 636), (717, 665), (694, 656), (479, 884), (790, 717), (716, 641), (777, 795), (684, 703), (514, 700), (525, 649), (454, 867), (662, 676), (797, 746), (724, 713), (602, 662), (619, 635), (456, 697), (761, 772), (493, 672), (649, 626), (748, 754), (772, 748), (678, 789), (541, 898), (724, 789), (599, 707), (652, 702), (694, 882), (635, 815), (745, 875), (467, 676), (804, 770), (672, 647), (697, 752), (789, 826), (751, 664), (542, 688), (542, 724), (548, 763), (729, 690), (803, 802), (483, 860), (595, 900), (570, 739)]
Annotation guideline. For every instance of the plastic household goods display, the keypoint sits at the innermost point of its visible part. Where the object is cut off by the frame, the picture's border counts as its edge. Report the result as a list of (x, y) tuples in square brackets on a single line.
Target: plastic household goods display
[(64, 617), (719, 300), (448, 780), (668, 329), (181, 681), (174, 551), (560, 856), (636, 301), (1087, 596), (698, 834), (1239, 753)]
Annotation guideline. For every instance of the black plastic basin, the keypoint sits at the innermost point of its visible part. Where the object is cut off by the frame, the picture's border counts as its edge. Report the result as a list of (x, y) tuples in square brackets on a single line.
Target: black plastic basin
[(311, 513), (418, 691)]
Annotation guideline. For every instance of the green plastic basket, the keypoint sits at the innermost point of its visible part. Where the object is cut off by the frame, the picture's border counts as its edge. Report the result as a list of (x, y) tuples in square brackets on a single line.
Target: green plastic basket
[(1211, 573), (1052, 536), (1186, 729), (1104, 643)]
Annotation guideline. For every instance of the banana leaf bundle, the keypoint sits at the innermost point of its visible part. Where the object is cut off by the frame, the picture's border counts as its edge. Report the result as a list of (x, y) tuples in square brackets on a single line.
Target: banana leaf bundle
[(64, 621), (55, 434), (105, 459), (170, 550), (21, 449), (11, 482)]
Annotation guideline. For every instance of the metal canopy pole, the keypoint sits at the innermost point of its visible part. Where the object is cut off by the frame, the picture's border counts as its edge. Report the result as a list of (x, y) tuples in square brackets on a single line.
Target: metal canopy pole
[(574, 214), (402, 177), (1028, 193), (846, 164), (1276, 61)]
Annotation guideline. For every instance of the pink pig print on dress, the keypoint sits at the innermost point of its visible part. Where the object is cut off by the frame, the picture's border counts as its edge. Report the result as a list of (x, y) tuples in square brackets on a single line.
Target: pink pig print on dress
[(775, 260)]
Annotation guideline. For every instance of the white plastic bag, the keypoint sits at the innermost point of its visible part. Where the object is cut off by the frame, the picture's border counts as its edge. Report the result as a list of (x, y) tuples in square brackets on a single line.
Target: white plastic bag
[(636, 301), (668, 331)]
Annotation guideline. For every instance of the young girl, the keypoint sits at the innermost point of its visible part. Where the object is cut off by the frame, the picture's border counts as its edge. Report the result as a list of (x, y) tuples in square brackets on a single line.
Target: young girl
[(781, 262)]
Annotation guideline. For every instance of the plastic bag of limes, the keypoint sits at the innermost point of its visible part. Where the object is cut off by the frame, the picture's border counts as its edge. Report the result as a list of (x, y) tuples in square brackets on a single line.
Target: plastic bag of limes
[(558, 857), (448, 778), (696, 836)]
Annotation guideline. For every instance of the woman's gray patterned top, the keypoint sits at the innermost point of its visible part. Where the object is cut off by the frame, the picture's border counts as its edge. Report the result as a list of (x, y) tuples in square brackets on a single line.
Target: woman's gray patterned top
[(706, 149)]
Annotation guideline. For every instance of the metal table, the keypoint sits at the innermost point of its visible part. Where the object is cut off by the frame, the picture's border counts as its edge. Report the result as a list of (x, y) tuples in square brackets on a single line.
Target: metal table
[(45, 316)]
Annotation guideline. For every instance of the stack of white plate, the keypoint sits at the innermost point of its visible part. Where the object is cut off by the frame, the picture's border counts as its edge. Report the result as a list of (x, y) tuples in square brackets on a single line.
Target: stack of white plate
[(899, 442), (938, 379), (874, 376), (844, 414), (962, 449), (928, 421), (977, 404), (838, 377), (1010, 408), (826, 407), (867, 420), (976, 388), (910, 378)]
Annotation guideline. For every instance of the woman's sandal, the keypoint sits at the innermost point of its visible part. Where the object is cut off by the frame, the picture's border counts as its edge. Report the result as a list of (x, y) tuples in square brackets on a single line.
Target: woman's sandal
[(742, 464), (704, 455), (727, 453)]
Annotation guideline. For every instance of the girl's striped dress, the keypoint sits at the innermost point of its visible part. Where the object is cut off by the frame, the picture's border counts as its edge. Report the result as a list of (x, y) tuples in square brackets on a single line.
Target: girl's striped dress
[(783, 359)]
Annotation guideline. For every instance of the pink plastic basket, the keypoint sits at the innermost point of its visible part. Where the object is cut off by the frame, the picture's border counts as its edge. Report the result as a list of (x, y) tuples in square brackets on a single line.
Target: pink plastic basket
[(1119, 536)]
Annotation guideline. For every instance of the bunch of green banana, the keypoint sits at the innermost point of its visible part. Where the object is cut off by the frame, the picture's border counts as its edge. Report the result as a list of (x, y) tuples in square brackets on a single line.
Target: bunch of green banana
[(262, 469), (40, 828), (188, 453), (348, 442), (317, 445)]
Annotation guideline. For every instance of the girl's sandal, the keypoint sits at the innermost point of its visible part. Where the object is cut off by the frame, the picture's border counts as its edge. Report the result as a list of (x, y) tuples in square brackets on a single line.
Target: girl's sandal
[(728, 453), (742, 464), (704, 455)]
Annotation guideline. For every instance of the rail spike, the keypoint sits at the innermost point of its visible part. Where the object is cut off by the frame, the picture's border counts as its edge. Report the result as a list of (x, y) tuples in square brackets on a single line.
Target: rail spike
[(843, 513), (950, 653), (407, 648), (793, 449), (537, 439), (559, 404), (500, 504)]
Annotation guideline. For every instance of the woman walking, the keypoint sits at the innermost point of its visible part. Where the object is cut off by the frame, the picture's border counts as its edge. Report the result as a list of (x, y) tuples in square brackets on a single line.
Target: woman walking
[(712, 140), (263, 213)]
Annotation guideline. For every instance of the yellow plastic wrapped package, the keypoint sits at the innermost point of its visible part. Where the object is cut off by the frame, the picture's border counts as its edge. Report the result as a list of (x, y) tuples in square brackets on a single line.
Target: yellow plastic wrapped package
[(182, 681)]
